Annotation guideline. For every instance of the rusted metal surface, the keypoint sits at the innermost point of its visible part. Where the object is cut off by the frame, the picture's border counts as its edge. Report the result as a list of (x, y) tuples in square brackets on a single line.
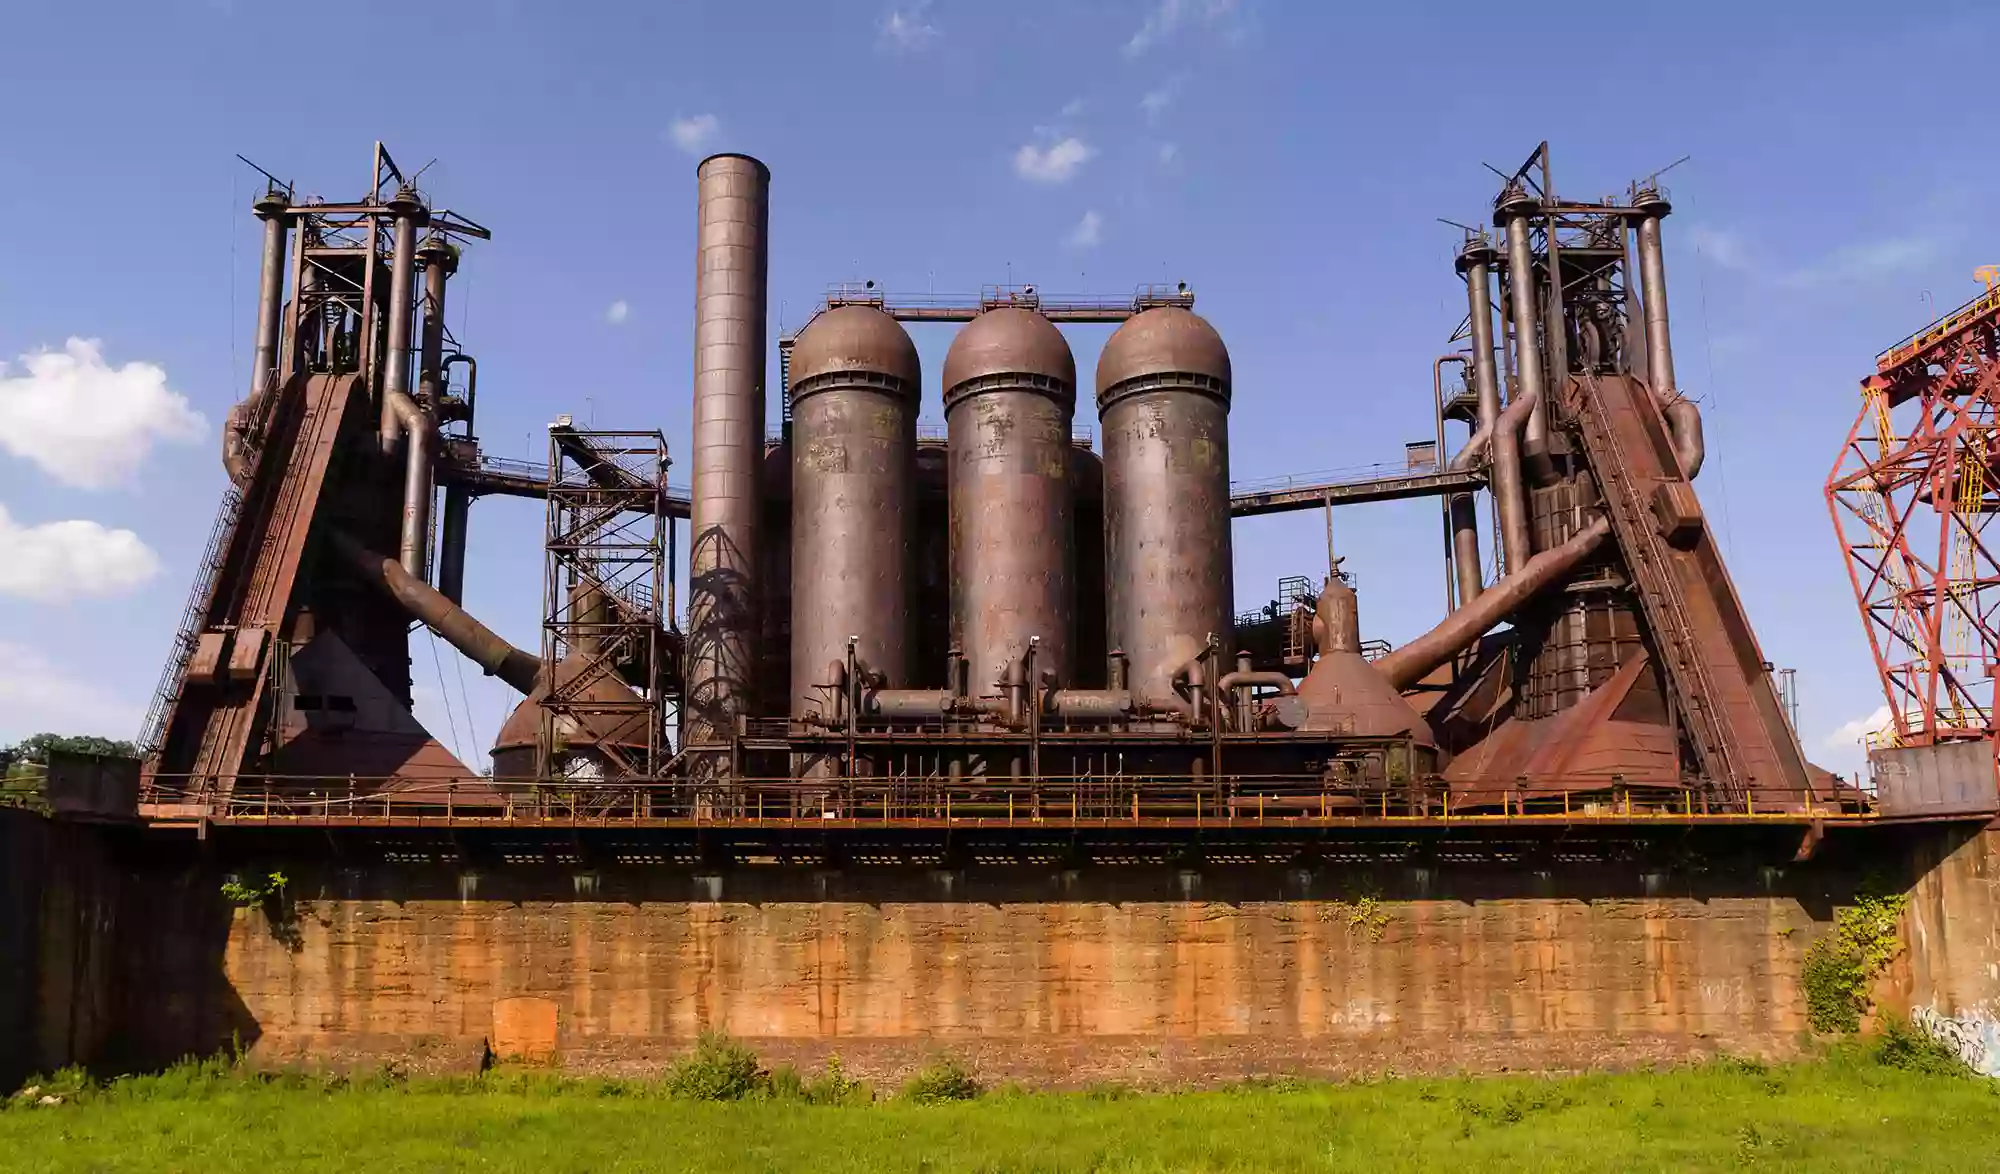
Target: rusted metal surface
[(1511, 212), (1046, 804), (1163, 385), (856, 385), (211, 730), (1306, 493), (1721, 682), (1944, 779), (732, 268), (1010, 391), (1410, 663), (1344, 693), (460, 629)]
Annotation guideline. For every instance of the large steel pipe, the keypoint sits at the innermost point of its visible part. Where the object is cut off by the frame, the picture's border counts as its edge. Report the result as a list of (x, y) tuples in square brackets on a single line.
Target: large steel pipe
[(404, 423), (1682, 417), (1476, 262), (1163, 391), (856, 386), (243, 418), (1511, 212), (458, 627), (1409, 664), (731, 276), (1010, 392)]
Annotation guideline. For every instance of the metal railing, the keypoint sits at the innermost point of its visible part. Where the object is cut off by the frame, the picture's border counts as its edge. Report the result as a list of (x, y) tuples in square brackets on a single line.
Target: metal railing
[(1980, 306), (979, 802), (189, 631)]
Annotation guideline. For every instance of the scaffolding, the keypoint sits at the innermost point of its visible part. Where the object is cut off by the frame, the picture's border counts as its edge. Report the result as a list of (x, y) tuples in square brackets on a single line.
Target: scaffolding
[(608, 602), (1912, 498)]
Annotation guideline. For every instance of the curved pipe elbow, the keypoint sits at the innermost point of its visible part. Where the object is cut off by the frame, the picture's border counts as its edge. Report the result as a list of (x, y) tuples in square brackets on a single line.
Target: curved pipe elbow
[(1242, 680), (1409, 664), (1684, 428)]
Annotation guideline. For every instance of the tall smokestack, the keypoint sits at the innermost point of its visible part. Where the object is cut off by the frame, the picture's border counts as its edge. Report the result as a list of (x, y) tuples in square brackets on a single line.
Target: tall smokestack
[(732, 269)]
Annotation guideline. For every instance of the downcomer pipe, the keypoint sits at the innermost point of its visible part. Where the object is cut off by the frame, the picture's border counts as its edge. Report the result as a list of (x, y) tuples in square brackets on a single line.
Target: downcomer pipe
[(458, 627), (1410, 663), (1510, 498), (1511, 212), (732, 270), (1683, 418), (242, 420), (1461, 515), (404, 423)]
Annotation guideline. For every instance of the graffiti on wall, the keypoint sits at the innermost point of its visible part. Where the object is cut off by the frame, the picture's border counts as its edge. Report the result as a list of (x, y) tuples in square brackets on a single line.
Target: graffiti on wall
[(1974, 1035)]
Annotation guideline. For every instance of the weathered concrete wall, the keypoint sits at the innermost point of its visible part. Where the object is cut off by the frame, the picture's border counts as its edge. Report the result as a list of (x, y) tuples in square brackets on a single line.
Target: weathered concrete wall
[(1108, 973), (134, 958), (1949, 974), (58, 925)]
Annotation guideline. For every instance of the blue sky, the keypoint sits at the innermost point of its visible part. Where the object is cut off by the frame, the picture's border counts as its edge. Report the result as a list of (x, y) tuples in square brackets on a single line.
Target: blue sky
[(1287, 160)]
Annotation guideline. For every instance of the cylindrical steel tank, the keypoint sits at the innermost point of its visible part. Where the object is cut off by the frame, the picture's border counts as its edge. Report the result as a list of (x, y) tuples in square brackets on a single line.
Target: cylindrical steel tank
[(856, 387), (1163, 403), (1010, 393), (731, 276)]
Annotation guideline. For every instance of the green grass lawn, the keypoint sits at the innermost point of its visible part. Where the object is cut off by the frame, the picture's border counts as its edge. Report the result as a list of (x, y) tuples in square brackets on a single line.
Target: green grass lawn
[(1848, 1112)]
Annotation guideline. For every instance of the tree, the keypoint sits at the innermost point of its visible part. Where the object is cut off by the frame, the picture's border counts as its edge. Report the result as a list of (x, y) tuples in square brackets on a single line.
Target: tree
[(36, 748)]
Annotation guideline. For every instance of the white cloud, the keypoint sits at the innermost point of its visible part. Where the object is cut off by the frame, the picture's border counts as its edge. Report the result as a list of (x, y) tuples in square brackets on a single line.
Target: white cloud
[(85, 422), (1054, 163), (1848, 736), (1723, 246), (620, 310), (1071, 109), (1168, 16), (37, 695), (58, 561), (1154, 103), (1088, 231), (1869, 261), (908, 30), (692, 134), (1168, 152), (1850, 265)]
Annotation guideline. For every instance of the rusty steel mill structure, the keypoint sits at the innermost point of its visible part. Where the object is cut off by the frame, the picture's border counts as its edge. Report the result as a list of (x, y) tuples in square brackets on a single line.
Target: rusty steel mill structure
[(1002, 639)]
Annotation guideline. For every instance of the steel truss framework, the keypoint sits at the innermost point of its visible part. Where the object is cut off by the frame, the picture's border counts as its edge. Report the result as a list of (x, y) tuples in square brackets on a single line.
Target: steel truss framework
[(607, 592), (1912, 498)]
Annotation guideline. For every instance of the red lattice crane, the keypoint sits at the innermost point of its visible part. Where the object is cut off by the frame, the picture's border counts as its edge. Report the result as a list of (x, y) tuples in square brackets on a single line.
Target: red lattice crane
[(1913, 496)]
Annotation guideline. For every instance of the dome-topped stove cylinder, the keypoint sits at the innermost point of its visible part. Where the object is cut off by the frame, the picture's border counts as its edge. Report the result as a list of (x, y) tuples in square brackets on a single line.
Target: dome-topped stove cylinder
[(1010, 393), (1163, 403), (856, 386)]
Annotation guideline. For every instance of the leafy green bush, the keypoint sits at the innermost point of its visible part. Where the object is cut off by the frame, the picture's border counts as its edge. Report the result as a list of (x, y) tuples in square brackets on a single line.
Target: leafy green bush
[(719, 1069), (1841, 966), (943, 1079), (1905, 1045)]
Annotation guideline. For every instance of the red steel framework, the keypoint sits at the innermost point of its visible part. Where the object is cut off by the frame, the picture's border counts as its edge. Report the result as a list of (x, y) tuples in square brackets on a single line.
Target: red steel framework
[(1912, 497)]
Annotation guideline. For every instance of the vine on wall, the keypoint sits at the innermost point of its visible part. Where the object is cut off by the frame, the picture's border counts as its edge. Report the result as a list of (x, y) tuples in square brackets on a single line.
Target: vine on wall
[(1841, 967)]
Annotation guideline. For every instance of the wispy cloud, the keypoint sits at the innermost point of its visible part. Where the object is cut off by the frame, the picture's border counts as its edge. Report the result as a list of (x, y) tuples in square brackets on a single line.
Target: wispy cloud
[(1052, 164), (1723, 246), (1169, 152), (1849, 265), (618, 312), (1071, 109), (909, 29), (1168, 16), (693, 133), (1867, 261), (1087, 233), (1155, 102), (37, 693)]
